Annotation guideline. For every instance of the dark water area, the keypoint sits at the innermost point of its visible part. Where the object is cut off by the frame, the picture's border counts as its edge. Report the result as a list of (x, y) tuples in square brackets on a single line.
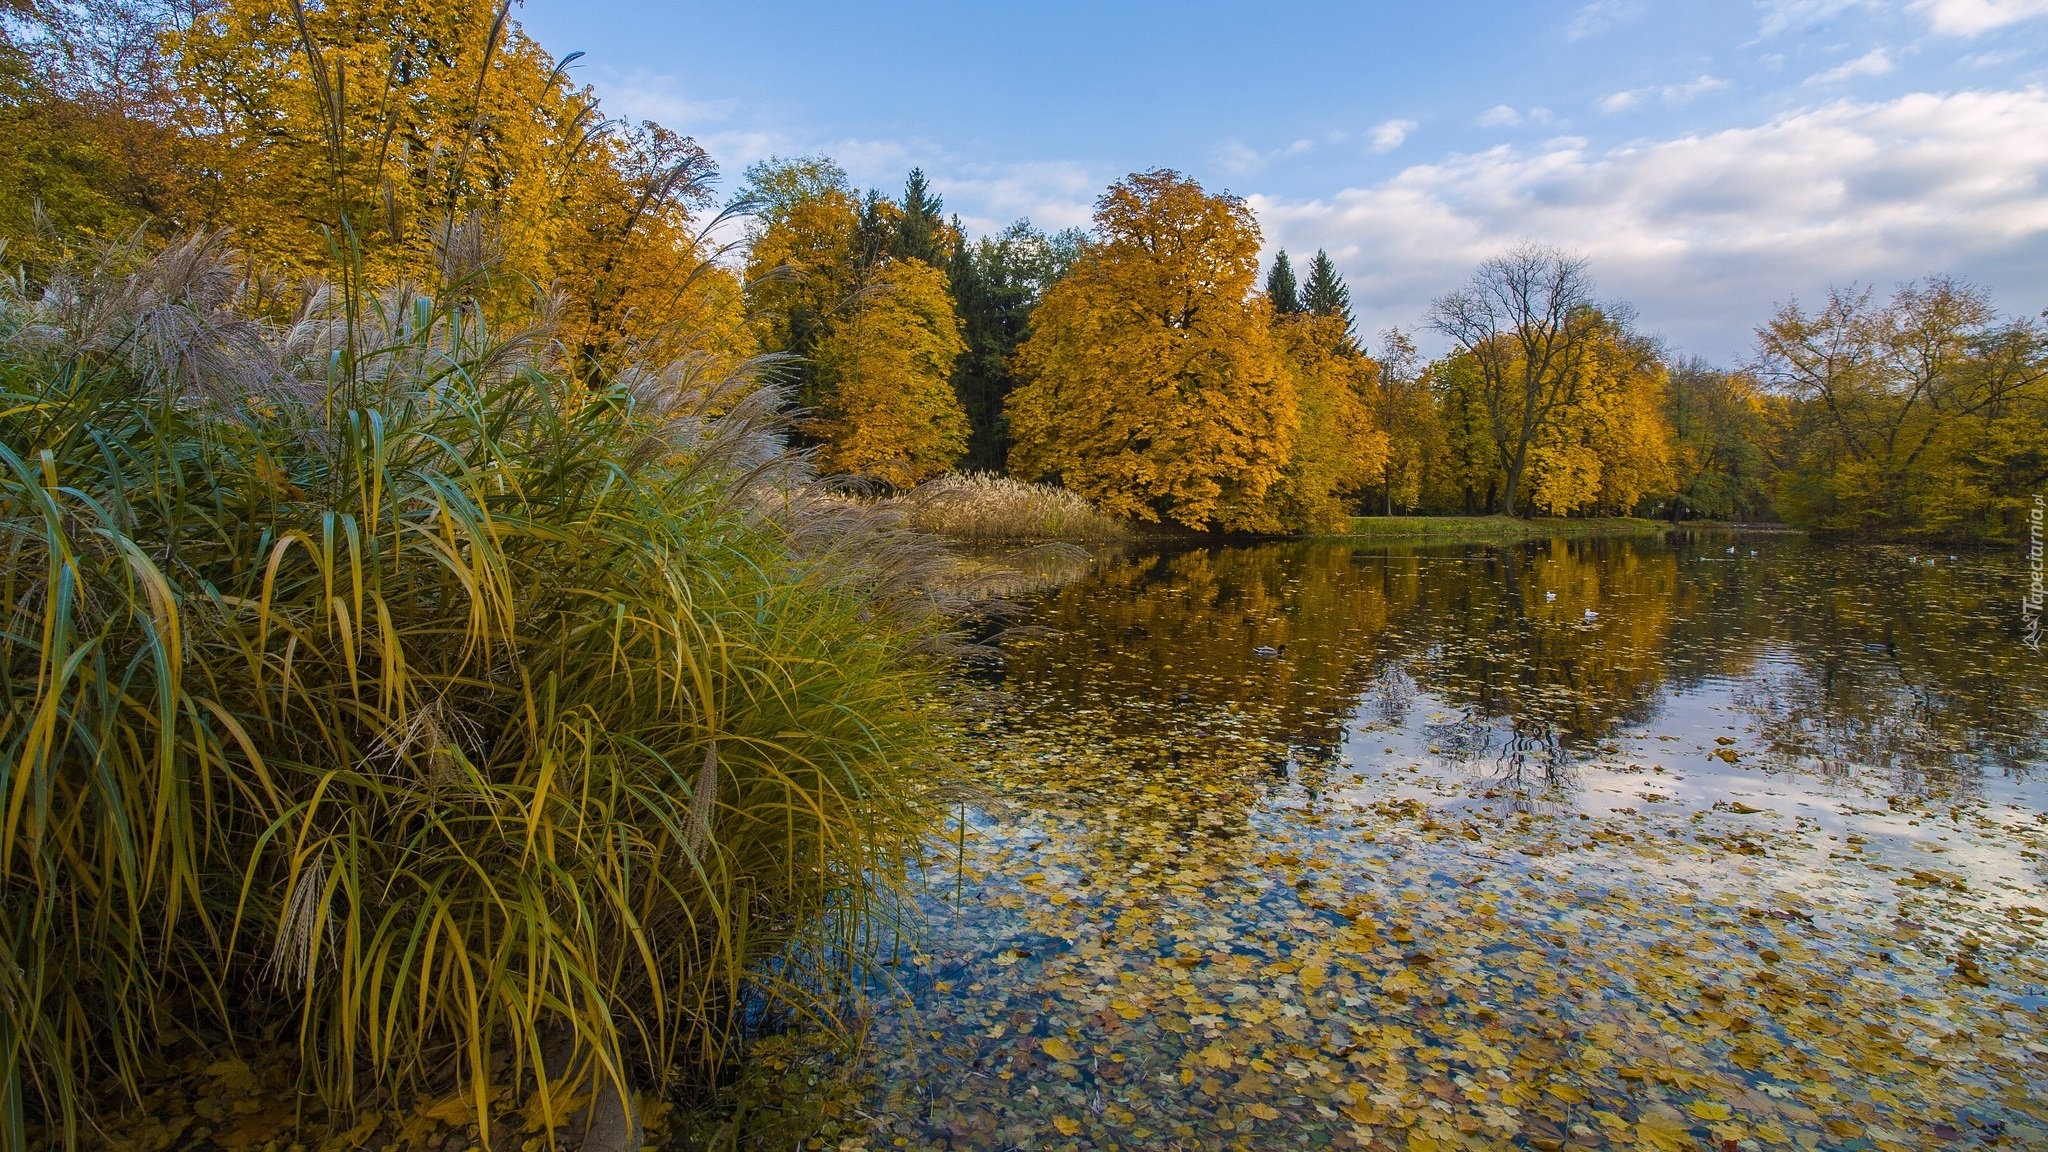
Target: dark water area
[(1717, 841)]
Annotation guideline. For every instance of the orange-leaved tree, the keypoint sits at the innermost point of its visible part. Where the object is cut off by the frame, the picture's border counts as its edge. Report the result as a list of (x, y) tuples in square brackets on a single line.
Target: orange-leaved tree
[(1153, 385)]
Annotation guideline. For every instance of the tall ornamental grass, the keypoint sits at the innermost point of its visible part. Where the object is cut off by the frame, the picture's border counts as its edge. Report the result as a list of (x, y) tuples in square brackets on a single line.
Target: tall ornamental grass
[(364, 677), (981, 507)]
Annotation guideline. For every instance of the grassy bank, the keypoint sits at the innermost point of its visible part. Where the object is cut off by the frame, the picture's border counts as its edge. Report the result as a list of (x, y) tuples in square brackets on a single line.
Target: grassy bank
[(1497, 529)]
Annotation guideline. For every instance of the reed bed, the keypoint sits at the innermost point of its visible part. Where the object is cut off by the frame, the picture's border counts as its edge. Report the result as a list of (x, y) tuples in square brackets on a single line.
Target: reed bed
[(369, 683), (980, 507)]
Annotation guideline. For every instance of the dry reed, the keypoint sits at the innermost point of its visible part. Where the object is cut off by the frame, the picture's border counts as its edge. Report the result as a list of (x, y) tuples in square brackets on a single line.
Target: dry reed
[(979, 507)]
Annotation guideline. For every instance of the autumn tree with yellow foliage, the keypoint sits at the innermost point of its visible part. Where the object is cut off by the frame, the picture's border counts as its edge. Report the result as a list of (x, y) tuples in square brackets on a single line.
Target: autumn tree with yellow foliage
[(871, 329), (1405, 412), (1723, 436), (1154, 383), (1922, 416), (1607, 445), (380, 141), (890, 412), (1525, 322), (1338, 447)]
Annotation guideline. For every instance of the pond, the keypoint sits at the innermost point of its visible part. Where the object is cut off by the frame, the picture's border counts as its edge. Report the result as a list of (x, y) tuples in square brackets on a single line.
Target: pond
[(1726, 841)]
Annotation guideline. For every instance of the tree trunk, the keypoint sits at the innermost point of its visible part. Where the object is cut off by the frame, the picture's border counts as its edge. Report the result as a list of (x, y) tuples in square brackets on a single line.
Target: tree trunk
[(1507, 498)]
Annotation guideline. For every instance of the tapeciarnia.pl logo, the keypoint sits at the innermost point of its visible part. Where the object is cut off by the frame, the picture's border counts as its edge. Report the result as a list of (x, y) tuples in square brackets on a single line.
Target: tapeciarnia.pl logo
[(2031, 604)]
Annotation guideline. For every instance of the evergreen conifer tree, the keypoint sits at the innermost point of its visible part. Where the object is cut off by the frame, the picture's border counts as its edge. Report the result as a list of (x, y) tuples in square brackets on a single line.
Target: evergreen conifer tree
[(996, 282), (921, 233), (1325, 294), (875, 236), (1280, 288)]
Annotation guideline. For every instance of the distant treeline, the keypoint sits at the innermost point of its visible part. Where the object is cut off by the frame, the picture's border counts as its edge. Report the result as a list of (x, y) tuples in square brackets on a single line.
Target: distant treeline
[(1149, 363)]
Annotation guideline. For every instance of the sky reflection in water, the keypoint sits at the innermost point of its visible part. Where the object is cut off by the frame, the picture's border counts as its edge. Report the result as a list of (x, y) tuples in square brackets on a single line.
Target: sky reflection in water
[(1589, 843)]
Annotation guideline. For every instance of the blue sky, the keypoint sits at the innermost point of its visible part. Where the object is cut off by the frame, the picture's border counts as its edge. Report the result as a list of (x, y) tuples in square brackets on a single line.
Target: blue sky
[(1710, 157)]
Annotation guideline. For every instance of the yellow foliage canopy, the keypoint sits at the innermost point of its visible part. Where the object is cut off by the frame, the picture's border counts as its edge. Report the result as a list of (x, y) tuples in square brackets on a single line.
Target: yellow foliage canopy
[(1602, 444), (875, 335), (891, 412), (1338, 446), (423, 144), (1608, 444), (800, 265), (1153, 386)]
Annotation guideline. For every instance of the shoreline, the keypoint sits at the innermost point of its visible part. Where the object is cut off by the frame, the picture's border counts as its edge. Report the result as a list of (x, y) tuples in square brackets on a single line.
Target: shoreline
[(1508, 529)]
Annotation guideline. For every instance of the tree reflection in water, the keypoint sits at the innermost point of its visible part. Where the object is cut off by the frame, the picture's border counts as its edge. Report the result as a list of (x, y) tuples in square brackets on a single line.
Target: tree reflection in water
[(1850, 663)]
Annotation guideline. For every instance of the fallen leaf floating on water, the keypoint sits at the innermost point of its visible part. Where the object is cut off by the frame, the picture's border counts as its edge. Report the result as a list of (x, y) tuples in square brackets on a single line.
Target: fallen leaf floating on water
[(1059, 1049), (1215, 958)]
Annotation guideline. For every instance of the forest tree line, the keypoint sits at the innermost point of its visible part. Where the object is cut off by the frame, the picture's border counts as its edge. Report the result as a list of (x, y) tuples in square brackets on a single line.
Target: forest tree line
[(1150, 363)]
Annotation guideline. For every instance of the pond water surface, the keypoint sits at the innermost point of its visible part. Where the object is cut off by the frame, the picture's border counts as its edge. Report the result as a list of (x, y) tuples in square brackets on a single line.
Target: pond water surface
[(1726, 842)]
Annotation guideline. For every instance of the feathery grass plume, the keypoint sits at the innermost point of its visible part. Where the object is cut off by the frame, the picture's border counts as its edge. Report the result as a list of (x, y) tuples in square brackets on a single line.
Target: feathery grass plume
[(444, 713), (983, 507)]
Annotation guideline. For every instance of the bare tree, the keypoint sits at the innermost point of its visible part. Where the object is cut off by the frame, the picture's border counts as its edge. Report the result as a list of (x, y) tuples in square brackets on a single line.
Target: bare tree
[(1402, 405), (1527, 318)]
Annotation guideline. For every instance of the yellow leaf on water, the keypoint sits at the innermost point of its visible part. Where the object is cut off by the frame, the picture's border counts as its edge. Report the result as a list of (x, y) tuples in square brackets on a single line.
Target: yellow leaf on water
[(1264, 1111), (1710, 1110), (1059, 1050), (1566, 1093), (1664, 1129), (1066, 1124)]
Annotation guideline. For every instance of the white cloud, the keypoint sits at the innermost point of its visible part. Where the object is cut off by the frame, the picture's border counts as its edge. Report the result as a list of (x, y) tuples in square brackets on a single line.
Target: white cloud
[(987, 195), (1391, 134), (1503, 115), (1705, 232), (1990, 59), (1601, 15), (1671, 94), (1875, 62), (1785, 15), (637, 96), (1238, 157), (1241, 159), (1976, 17), (1053, 194)]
